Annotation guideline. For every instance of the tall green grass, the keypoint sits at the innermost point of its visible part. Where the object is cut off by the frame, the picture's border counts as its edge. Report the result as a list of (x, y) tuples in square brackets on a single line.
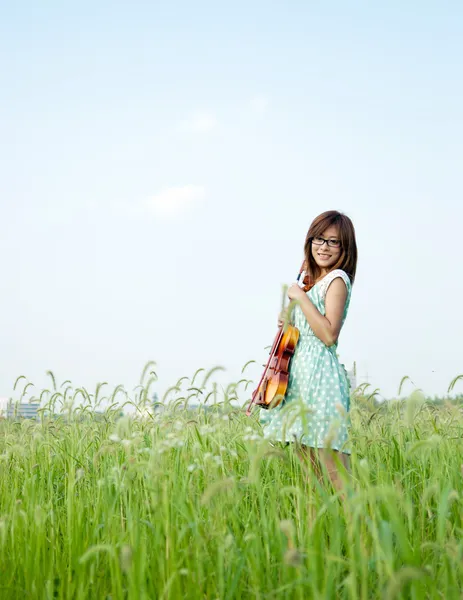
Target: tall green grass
[(195, 504)]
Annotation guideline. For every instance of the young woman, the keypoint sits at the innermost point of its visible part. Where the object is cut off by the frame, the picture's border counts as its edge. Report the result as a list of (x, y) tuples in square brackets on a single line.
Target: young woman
[(319, 422)]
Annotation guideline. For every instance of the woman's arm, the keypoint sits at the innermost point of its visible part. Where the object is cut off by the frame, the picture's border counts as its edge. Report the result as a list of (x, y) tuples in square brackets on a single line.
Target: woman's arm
[(328, 327)]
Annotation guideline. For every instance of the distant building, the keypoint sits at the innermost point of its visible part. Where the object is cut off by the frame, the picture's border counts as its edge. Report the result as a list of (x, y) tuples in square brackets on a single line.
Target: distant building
[(352, 375), (18, 410), (3, 407)]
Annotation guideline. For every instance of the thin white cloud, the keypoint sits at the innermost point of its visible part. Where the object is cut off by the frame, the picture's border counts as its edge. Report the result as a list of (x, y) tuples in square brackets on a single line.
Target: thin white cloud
[(259, 104), (174, 201), (199, 123)]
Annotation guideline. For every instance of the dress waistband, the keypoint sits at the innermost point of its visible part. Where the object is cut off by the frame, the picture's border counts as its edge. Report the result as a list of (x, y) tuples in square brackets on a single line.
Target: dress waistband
[(310, 339)]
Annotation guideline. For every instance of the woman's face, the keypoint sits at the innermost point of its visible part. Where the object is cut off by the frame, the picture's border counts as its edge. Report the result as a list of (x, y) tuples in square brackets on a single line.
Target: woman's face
[(326, 248)]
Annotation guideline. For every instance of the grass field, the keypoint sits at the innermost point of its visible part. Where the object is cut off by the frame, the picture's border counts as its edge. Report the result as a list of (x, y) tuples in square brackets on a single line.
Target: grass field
[(194, 504)]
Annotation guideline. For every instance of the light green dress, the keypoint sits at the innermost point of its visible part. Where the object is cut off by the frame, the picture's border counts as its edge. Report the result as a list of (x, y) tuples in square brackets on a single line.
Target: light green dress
[(315, 410)]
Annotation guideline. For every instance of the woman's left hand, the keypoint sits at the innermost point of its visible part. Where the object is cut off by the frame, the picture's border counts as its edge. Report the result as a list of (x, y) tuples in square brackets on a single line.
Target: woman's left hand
[(295, 292)]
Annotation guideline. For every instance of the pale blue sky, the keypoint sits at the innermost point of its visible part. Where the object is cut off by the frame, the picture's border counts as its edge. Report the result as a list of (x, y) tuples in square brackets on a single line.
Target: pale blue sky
[(161, 163)]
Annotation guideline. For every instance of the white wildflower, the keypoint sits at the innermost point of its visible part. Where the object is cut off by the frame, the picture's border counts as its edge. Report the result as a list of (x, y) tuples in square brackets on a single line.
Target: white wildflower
[(206, 429)]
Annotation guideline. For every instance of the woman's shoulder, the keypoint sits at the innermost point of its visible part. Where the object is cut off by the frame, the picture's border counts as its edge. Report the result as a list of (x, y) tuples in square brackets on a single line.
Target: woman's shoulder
[(330, 277)]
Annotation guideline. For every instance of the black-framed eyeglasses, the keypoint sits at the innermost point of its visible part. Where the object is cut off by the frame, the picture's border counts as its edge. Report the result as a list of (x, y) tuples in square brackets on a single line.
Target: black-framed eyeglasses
[(319, 241)]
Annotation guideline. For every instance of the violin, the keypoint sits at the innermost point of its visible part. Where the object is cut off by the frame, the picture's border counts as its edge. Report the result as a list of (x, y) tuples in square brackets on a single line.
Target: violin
[(274, 381)]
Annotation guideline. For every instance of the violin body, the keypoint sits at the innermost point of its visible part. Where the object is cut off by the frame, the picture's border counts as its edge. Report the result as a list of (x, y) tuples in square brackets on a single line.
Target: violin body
[(274, 381)]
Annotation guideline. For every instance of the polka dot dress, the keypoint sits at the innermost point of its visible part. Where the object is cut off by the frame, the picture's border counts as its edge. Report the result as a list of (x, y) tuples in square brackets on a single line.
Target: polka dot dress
[(315, 410)]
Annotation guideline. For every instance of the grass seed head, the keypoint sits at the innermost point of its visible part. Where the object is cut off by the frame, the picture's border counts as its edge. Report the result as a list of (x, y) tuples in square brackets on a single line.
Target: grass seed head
[(126, 558)]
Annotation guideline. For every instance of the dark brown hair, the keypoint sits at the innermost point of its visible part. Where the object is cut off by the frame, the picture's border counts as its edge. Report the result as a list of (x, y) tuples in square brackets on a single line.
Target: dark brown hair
[(348, 257)]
